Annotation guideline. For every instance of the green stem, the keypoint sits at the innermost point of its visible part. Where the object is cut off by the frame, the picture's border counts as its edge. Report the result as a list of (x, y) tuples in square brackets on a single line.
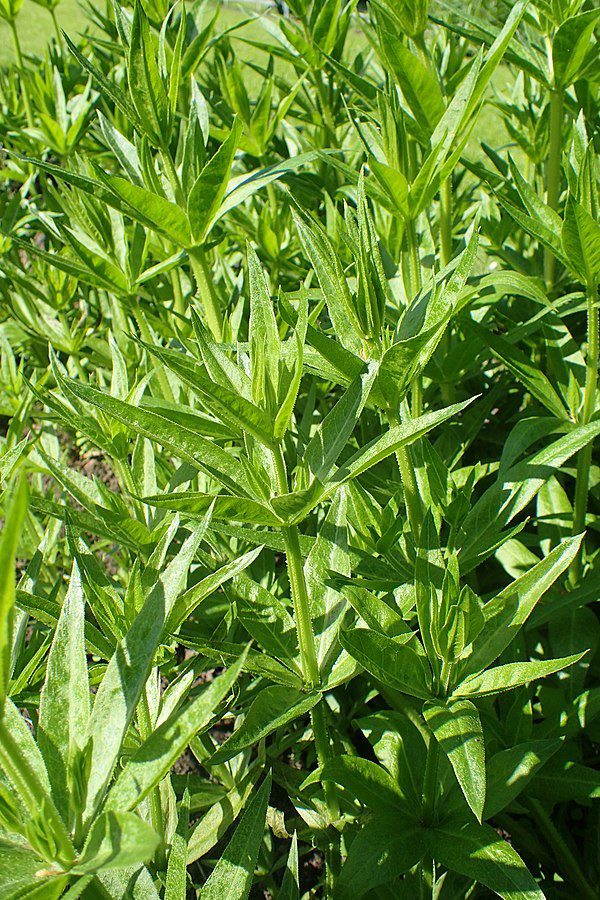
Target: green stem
[(412, 497), (147, 336), (561, 851), (584, 459), (154, 800), (19, 56), (206, 291), (413, 287), (430, 780), (414, 263), (309, 662), (448, 392), (553, 173), (446, 222), (299, 590), (56, 29)]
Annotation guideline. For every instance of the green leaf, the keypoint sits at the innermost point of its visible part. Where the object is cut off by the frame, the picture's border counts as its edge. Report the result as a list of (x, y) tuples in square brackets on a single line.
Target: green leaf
[(332, 279), (563, 781), (377, 614), (148, 766), (477, 852), (224, 507), (515, 487), (231, 879), (176, 880), (335, 430), (9, 541), (381, 851), (190, 446), (187, 603), (265, 345), (150, 209), (134, 881), (368, 782), (209, 189), (328, 555), (65, 697), (290, 885), (510, 771), (267, 620), (234, 410), (120, 690), (116, 840), (512, 675), (417, 81), (581, 242), (18, 871), (505, 614), (23, 765), (393, 439), (145, 84), (570, 44), (273, 708), (457, 728), (393, 663), (523, 369)]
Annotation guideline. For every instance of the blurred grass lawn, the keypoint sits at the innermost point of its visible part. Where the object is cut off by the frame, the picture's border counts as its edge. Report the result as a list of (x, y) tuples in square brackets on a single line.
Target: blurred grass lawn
[(35, 27)]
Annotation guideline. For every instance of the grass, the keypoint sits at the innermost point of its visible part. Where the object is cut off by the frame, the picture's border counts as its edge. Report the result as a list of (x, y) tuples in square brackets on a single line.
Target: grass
[(34, 25)]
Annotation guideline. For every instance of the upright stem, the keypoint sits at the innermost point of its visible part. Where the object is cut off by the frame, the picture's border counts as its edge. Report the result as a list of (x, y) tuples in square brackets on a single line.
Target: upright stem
[(205, 286), (19, 56), (414, 286), (299, 590), (309, 661), (430, 780), (448, 393), (446, 221), (561, 851), (412, 497), (553, 173), (584, 459), (56, 28)]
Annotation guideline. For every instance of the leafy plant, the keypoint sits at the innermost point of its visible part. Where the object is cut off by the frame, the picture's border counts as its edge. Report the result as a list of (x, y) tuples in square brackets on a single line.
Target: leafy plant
[(299, 335)]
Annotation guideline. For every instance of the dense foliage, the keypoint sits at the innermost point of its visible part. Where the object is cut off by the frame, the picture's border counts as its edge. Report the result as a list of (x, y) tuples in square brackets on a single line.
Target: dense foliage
[(298, 569)]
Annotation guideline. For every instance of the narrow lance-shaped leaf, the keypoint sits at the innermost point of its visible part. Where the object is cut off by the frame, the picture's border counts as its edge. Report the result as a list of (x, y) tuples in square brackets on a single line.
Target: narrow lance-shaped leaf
[(65, 698), (506, 613), (274, 707), (116, 840), (457, 728), (210, 186), (11, 532), (165, 745), (478, 852), (512, 675), (191, 446), (265, 344), (334, 432), (231, 879), (145, 84), (392, 662)]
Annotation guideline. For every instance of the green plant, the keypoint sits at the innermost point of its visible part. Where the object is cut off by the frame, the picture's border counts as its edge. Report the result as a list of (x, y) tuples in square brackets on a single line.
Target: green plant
[(299, 393)]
